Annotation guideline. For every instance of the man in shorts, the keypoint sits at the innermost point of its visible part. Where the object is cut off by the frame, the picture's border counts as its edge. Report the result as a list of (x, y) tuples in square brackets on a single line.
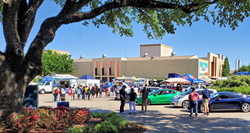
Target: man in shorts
[(206, 99)]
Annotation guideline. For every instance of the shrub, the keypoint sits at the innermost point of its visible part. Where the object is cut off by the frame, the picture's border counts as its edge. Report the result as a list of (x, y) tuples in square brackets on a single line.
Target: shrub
[(48, 118), (98, 115), (105, 127)]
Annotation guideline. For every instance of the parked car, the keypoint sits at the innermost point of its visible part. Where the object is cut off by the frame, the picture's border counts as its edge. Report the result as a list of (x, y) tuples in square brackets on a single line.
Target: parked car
[(182, 100), (151, 89), (162, 96), (227, 101)]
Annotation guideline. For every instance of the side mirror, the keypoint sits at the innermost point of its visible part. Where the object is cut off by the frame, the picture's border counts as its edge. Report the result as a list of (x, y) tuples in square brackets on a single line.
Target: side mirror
[(155, 95), (217, 99)]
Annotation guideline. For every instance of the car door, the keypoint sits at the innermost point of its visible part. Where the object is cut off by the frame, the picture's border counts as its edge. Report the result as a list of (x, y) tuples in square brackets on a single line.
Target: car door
[(221, 104), (166, 96), (157, 97), (48, 87), (234, 101)]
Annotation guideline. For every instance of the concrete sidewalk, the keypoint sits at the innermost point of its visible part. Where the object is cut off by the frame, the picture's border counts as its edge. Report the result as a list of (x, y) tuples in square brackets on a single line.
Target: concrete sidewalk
[(167, 118)]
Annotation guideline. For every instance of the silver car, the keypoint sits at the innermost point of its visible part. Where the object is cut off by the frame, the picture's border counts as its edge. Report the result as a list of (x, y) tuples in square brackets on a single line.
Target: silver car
[(182, 100)]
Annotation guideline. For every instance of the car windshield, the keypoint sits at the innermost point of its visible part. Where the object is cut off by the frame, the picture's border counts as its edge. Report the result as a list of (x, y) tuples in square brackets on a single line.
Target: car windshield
[(187, 92), (40, 83), (214, 95)]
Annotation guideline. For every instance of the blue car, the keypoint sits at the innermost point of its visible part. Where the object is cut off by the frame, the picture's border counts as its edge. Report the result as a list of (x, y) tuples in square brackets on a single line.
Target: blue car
[(227, 101)]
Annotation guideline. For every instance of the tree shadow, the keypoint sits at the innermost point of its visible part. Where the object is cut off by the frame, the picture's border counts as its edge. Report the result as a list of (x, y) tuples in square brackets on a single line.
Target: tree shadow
[(157, 122)]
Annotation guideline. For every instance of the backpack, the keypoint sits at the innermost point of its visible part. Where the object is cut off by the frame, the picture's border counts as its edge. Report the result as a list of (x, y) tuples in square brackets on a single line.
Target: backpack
[(57, 91)]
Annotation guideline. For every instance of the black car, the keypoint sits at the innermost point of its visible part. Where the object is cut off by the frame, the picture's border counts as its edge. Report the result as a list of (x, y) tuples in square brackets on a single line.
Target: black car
[(227, 101)]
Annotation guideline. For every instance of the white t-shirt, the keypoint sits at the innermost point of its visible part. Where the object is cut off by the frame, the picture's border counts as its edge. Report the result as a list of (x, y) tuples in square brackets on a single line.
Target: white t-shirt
[(63, 91), (136, 90)]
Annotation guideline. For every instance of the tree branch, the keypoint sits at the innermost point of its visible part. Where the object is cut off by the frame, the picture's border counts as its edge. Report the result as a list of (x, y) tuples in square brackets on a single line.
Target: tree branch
[(14, 50), (26, 18)]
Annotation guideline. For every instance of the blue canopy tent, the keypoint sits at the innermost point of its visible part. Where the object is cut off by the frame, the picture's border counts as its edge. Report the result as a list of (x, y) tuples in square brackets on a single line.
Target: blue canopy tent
[(242, 73), (192, 79), (86, 77)]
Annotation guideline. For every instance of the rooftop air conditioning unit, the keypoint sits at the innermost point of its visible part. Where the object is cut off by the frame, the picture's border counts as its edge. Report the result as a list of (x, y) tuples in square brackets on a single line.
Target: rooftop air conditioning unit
[(82, 57), (104, 56), (173, 54), (145, 55), (153, 58)]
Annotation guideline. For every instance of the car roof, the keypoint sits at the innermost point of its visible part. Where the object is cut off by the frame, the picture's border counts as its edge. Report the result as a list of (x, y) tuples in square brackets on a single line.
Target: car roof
[(167, 89), (202, 89), (228, 92)]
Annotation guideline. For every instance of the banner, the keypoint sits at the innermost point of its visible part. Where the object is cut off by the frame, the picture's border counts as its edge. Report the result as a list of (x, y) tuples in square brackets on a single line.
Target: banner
[(203, 69)]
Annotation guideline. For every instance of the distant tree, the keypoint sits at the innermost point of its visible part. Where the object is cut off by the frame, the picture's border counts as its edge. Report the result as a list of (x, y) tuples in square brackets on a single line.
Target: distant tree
[(226, 68), (235, 71), (243, 69), (55, 62)]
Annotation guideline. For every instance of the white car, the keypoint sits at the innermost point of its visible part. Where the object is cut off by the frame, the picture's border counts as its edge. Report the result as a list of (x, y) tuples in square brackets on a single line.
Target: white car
[(182, 100)]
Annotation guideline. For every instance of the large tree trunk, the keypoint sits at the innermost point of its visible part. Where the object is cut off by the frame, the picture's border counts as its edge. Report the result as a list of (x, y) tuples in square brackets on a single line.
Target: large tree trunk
[(12, 87)]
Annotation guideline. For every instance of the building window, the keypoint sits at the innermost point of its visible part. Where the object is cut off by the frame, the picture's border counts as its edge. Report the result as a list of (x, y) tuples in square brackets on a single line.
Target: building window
[(95, 71), (102, 71)]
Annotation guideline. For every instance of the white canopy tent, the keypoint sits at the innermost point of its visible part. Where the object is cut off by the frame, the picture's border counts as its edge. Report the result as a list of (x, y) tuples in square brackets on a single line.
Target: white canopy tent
[(176, 81)]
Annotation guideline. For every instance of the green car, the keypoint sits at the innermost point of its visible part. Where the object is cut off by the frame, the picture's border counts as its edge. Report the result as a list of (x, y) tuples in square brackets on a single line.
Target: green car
[(163, 96)]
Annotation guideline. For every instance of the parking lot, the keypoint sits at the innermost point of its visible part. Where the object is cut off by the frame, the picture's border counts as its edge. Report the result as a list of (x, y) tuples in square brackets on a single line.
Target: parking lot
[(166, 118)]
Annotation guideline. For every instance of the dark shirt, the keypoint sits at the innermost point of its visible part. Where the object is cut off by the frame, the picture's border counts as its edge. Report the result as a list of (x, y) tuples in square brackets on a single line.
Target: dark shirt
[(205, 93), (122, 93), (132, 96), (144, 94)]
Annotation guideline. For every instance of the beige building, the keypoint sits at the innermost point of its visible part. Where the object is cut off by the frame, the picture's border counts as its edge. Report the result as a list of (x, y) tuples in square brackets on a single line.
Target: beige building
[(156, 61), (58, 51)]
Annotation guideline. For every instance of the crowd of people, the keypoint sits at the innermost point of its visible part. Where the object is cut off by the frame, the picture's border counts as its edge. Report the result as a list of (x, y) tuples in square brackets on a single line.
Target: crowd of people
[(82, 92)]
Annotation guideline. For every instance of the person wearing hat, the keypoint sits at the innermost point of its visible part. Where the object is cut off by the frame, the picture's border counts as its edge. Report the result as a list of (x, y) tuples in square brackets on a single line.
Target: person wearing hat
[(206, 99), (123, 99)]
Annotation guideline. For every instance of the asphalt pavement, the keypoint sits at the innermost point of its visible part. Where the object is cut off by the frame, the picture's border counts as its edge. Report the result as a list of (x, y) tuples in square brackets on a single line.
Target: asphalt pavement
[(166, 118)]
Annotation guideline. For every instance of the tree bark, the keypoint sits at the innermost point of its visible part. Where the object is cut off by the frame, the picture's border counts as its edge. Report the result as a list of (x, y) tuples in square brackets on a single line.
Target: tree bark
[(12, 87)]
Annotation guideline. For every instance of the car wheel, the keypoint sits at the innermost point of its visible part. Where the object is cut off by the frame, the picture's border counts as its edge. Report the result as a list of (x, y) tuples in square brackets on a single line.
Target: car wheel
[(201, 108), (42, 91), (245, 107), (148, 102), (185, 104)]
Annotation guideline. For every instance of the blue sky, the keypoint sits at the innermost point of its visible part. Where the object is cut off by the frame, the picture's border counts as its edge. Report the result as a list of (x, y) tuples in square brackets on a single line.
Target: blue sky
[(200, 38)]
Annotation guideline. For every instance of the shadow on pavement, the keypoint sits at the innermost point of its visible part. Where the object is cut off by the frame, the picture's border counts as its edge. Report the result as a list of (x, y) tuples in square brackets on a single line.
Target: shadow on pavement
[(157, 122)]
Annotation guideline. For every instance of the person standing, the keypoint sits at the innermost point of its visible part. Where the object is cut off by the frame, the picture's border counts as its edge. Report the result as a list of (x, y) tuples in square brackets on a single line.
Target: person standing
[(193, 98), (123, 99), (144, 93), (55, 92), (92, 91), (206, 99), (74, 91), (79, 91), (133, 96), (63, 93), (96, 91), (106, 91), (70, 91), (83, 88), (100, 91), (87, 92)]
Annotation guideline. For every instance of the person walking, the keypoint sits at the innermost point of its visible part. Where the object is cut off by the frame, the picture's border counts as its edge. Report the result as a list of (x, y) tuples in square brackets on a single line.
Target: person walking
[(193, 98), (133, 96), (112, 90), (123, 99), (70, 91), (144, 93), (55, 93), (206, 99)]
